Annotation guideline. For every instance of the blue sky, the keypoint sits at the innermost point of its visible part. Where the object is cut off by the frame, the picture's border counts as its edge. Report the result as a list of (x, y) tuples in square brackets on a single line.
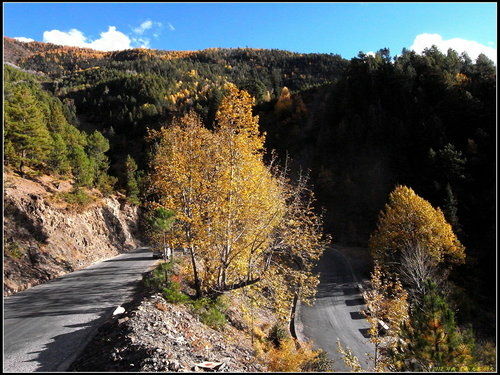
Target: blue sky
[(341, 28)]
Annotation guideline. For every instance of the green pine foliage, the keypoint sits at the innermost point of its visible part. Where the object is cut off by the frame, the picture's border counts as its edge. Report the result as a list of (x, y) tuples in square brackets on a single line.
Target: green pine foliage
[(82, 167), (25, 128), (432, 341), (132, 187), (58, 160), (38, 135)]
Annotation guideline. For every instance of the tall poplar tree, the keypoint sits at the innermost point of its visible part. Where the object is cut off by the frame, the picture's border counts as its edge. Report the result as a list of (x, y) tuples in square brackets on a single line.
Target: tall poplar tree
[(243, 222)]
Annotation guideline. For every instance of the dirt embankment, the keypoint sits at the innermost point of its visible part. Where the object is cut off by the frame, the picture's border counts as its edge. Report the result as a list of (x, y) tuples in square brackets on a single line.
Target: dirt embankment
[(45, 237)]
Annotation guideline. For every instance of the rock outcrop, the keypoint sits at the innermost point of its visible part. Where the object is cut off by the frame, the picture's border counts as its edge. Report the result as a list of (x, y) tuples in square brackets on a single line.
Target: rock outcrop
[(45, 237)]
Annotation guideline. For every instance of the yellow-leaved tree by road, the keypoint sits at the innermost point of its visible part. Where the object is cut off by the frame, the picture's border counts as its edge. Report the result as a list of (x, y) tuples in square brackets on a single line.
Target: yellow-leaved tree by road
[(243, 221), (414, 240)]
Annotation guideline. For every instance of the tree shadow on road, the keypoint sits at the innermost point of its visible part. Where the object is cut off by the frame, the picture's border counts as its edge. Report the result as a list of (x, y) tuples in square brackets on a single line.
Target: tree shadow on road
[(63, 349)]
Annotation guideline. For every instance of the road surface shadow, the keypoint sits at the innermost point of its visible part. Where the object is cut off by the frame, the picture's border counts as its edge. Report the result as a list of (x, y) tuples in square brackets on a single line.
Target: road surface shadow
[(130, 259), (47, 303), (365, 332), (354, 302), (356, 315), (350, 291), (63, 349)]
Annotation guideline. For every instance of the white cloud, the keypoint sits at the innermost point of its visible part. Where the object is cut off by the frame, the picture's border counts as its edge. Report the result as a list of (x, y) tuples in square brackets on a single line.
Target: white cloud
[(73, 38), (142, 42), (171, 27), (111, 40), (472, 48), (143, 27), (23, 39)]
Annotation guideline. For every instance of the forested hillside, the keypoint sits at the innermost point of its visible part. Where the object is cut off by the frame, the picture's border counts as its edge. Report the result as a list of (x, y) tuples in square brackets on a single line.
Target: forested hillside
[(360, 127)]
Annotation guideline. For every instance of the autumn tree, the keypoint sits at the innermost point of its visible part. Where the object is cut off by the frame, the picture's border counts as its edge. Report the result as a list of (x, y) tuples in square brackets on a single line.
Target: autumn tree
[(410, 234), (243, 222), (386, 310), (181, 174)]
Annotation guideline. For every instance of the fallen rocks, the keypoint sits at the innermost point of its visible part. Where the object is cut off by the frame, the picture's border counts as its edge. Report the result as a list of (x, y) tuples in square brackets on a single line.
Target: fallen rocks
[(119, 310), (157, 336)]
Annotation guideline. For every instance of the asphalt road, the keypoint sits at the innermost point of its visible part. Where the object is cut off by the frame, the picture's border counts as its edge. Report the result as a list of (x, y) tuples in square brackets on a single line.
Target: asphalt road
[(46, 327), (336, 312)]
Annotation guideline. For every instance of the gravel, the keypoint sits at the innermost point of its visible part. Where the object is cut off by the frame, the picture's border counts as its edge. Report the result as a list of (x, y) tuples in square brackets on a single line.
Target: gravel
[(154, 335)]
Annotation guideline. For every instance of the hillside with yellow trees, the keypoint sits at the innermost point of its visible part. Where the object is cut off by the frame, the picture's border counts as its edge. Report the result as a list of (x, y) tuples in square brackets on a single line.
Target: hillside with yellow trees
[(251, 160)]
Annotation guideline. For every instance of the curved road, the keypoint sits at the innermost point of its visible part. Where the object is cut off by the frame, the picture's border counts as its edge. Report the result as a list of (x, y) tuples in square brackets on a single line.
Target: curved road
[(336, 312), (45, 327)]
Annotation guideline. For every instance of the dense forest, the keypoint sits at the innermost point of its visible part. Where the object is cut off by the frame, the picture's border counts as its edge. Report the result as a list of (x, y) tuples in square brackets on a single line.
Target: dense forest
[(360, 127)]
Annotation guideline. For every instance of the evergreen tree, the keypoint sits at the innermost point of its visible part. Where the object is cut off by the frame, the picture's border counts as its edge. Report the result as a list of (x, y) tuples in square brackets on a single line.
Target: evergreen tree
[(450, 210), (82, 167), (97, 145), (161, 221), (432, 339), (58, 158), (10, 156), (56, 120), (132, 188), (25, 128)]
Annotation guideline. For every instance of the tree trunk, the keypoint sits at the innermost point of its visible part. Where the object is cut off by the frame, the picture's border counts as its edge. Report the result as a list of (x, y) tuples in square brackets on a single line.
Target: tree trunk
[(197, 283)]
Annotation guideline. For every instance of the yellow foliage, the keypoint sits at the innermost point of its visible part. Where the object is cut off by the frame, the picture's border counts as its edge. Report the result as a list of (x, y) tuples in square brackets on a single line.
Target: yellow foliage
[(284, 102), (288, 357), (349, 358), (242, 221), (409, 220)]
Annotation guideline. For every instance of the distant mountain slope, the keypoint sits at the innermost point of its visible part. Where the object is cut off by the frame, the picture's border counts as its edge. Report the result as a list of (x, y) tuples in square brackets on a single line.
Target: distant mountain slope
[(14, 50)]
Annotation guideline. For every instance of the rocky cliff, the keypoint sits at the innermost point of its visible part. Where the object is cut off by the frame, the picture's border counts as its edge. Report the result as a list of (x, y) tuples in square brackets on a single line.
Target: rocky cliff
[(45, 237)]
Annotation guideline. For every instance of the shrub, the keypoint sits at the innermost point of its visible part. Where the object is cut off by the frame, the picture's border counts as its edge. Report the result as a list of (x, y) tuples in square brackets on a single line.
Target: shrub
[(163, 279), (289, 358), (106, 184), (13, 250), (321, 363), (78, 197), (277, 335), (158, 279), (172, 293), (211, 312)]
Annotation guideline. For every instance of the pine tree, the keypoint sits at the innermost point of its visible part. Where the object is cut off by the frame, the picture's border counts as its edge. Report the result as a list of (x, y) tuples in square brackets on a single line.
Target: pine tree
[(58, 158), (161, 221), (451, 210), (132, 188), (432, 340), (82, 168), (97, 146), (25, 128)]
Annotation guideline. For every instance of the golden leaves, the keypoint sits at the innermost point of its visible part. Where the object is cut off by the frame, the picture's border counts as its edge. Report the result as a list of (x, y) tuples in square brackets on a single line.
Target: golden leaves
[(244, 222), (409, 220)]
